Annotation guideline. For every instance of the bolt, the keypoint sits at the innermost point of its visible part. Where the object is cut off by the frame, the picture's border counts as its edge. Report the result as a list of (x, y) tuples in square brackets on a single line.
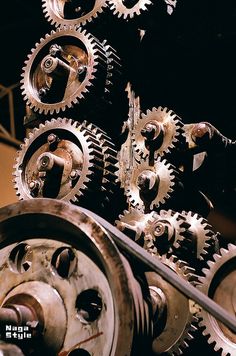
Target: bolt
[(147, 180), (52, 138), (34, 184), (74, 174), (44, 161), (143, 181), (48, 63), (160, 229), (150, 131), (55, 50), (42, 92)]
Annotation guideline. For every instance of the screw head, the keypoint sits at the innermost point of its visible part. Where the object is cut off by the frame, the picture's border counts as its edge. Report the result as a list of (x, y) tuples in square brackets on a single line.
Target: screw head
[(74, 174), (160, 229)]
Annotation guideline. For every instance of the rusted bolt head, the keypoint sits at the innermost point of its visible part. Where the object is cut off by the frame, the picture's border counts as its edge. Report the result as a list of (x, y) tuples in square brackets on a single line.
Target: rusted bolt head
[(74, 174), (52, 138), (150, 131), (160, 229)]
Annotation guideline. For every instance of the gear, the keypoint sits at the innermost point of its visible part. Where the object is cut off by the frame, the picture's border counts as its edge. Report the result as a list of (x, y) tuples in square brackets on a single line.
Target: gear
[(164, 232), (72, 13), (175, 329), (147, 187), (156, 131), (65, 67), (219, 284), (129, 8), (201, 239), (61, 159)]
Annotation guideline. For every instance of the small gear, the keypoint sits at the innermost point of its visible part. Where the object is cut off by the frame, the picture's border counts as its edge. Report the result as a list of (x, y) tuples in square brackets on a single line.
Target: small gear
[(61, 159), (147, 187), (175, 329), (156, 131), (129, 8), (67, 66), (164, 232), (219, 284), (201, 239), (72, 13)]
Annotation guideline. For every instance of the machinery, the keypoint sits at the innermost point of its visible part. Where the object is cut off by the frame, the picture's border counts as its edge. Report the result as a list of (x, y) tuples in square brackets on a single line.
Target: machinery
[(109, 250)]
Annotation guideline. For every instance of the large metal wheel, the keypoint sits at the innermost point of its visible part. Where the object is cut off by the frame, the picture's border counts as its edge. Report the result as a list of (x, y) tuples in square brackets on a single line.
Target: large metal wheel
[(59, 266)]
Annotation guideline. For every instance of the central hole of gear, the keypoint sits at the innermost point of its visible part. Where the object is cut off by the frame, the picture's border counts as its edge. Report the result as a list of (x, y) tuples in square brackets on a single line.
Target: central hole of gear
[(89, 305), (77, 8), (130, 3)]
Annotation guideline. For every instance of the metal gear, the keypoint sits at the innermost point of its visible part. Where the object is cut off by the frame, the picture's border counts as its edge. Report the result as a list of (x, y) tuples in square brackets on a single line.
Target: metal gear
[(200, 239), (147, 187), (175, 328), (129, 8), (72, 13), (219, 284), (156, 131), (164, 232), (65, 67), (61, 159)]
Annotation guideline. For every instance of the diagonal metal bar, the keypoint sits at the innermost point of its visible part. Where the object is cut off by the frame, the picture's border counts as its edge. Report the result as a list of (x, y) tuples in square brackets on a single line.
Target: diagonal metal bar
[(126, 244)]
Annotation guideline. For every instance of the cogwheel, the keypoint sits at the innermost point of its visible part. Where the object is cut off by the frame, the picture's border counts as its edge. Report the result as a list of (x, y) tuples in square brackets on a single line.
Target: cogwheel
[(72, 13), (64, 68), (156, 131), (133, 223), (201, 239), (129, 8), (61, 159), (219, 284), (175, 328), (109, 184), (164, 232), (147, 187)]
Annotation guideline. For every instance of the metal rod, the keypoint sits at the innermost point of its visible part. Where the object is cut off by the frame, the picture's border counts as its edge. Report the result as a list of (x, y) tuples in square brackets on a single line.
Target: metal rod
[(126, 244)]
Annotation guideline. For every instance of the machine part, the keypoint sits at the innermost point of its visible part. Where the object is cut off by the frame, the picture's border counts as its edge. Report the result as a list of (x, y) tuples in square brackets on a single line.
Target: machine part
[(201, 240), (147, 187), (133, 223), (72, 13), (219, 284), (76, 282), (156, 132), (65, 67), (127, 9), (164, 232), (153, 263), (159, 233), (65, 160), (174, 329)]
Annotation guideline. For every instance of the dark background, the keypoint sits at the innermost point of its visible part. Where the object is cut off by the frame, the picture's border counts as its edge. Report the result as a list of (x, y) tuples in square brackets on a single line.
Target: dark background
[(186, 61)]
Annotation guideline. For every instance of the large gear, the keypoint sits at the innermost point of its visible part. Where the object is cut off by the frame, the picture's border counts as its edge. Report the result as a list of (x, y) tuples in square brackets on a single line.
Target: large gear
[(129, 8), (156, 131), (65, 67), (62, 159), (219, 284), (178, 324), (147, 187), (72, 13), (201, 239)]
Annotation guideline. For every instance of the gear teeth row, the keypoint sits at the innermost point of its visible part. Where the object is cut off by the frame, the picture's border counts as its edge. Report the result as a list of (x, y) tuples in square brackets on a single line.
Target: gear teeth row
[(217, 282), (168, 128), (53, 10), (120, 10), (91, 87)]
